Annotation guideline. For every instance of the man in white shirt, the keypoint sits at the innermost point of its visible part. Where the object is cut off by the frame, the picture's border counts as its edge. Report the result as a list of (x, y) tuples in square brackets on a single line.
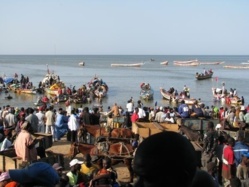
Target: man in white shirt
[(129, 106), (41, 119)]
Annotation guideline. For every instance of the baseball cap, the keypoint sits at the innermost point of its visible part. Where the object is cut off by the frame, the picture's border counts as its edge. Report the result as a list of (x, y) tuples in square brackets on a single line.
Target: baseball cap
[(245, 154), (74, 162), (57, 166), (39, 173)]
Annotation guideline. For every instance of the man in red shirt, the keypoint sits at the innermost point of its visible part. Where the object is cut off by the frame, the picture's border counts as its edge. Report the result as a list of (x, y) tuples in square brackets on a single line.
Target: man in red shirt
[(228, 166)]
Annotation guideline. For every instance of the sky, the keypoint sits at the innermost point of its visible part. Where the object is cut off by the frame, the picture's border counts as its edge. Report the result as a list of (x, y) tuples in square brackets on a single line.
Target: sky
[(127, 27)]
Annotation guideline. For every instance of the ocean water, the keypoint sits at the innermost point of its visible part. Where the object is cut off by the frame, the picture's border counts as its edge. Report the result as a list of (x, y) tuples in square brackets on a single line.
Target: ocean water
[(124, 82)]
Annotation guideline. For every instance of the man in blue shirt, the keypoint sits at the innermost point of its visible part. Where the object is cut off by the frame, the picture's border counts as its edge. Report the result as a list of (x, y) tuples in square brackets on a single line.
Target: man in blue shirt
[(183, 110), (239, 148)]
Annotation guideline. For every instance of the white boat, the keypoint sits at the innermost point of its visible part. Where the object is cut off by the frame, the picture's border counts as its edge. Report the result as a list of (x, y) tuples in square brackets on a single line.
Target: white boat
[(237, 67), (81, 63), (127, 65), (164, 63), (187, 63), (211, 63), (245, 63)]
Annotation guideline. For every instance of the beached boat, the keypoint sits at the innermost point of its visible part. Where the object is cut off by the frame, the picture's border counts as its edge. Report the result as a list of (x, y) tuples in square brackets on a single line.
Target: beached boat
[(127, 65), (211, 63), (81, 63), (201, 76), (164, 63), (237, 67), (146, 92)]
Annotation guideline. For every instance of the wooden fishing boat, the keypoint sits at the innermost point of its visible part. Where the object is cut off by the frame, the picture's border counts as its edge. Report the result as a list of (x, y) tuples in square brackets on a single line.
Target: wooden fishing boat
[(187, 63), (164, 63), (211, 63), (146, 92), (26, 91), (98, 86), (127, 65), (81, 63), (237, 67), (166, 94), (202, 76)]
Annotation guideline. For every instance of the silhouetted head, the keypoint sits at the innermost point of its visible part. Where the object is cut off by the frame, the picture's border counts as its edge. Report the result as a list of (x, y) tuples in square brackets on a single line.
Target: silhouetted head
[(165, 159)]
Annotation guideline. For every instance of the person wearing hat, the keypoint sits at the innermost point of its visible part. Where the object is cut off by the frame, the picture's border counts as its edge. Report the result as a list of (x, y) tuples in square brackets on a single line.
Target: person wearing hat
[(241, 114), (239, 148), (25, 144), (242, 170), (74, 174), (58, 168)]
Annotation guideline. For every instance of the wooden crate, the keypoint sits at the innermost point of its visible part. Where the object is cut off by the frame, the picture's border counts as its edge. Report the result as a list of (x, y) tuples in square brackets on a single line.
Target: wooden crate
[(45, 140), (147, 129)]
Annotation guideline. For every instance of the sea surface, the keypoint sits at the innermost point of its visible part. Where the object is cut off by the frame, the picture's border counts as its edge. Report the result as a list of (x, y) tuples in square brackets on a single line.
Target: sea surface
[(124, 82)]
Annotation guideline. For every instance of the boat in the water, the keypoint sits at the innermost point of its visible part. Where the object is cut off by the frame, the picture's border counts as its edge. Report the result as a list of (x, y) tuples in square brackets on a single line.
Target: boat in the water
[(211, 63), (98, 86), (166, 94), (146, 92), (187, 63), (237, 67), (127, 65), (202, 76), (164, 63), (82, 63)]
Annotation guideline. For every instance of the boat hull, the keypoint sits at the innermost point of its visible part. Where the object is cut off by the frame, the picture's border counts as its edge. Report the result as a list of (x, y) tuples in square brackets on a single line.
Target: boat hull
[(203, 77), (127, 65)]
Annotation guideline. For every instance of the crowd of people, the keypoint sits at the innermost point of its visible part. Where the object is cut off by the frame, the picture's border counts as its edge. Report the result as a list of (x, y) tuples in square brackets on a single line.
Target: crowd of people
[(19, 125)]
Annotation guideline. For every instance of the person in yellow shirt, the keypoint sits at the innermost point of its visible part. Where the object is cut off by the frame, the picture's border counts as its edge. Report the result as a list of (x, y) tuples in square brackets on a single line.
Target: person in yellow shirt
[(88, 168)]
